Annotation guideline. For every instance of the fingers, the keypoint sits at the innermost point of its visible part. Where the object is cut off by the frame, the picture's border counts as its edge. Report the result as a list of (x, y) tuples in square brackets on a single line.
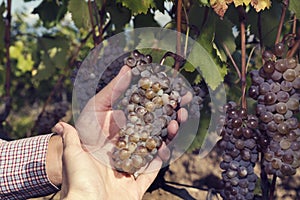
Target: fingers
[(68, 133), (182, 115), (187, 98), (164, 152), (172, 129), (105, 98)]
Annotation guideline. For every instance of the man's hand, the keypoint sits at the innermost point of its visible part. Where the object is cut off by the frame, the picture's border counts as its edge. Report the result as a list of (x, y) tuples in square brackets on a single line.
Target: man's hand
[(87, 171), (98, 124), (86, 178)]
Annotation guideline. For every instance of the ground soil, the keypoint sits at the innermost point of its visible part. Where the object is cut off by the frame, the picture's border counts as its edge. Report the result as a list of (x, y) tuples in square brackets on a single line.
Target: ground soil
[(190, 178)]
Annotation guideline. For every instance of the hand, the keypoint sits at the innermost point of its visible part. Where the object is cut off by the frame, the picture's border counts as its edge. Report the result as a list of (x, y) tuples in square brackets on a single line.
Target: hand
[(86, 178), (98, 125)]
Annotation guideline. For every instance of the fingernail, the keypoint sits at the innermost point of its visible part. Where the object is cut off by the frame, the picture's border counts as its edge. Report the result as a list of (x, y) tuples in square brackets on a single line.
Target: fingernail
[(58, 128)]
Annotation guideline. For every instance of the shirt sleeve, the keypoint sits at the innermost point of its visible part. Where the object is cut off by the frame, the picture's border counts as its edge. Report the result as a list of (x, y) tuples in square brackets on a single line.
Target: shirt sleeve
[(23, 168)]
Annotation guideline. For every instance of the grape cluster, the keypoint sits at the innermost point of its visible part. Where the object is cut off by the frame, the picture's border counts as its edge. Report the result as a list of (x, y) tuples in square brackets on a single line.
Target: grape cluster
[(276, 86), (149, 104), (86, 83), (47, 119), (239, 153)]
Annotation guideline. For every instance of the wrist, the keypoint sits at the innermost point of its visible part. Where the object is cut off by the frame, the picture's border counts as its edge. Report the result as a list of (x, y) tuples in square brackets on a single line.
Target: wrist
[(54, 160)]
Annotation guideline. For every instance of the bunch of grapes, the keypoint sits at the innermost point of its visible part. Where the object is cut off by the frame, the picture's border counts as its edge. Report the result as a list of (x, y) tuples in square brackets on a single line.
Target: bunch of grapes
[(47, 119), (276, 86), (150, 103), (239, 153)]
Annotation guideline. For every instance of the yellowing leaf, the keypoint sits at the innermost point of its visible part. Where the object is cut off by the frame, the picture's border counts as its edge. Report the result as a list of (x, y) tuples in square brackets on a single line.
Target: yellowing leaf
[(220, 6), (260, 4), (238, 2), (246, 2)]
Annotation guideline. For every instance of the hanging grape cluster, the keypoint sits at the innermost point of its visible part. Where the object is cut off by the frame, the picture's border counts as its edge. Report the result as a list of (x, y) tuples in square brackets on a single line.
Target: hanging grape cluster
[(276, 86), (149, 105), (240, 153)]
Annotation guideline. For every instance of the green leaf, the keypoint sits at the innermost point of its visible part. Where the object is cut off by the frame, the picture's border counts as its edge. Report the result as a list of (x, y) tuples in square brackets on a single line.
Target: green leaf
[(138, 6), (2, 9), (55, 51), (269, 22), (224, 36), (80, 14), (294, 6), (204, 2), (51, 12), (24, 59), (145, 20), (204, 56), (44, 72), (120, 16), (159, 4)]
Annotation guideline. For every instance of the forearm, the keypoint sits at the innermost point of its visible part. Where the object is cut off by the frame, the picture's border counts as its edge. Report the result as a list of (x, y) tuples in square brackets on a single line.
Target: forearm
[(54, 160)]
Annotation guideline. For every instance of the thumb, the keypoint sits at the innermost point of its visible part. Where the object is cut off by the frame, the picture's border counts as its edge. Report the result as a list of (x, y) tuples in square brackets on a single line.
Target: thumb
[(106, 97), (68, 133)]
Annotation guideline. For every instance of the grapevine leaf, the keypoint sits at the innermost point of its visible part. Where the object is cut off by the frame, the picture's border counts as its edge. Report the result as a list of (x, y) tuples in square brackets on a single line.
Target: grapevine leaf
[(261, 4), (120, 16), (138, 6), (219, 6), (159, 4), (269, 23), (99, 3), (145, 20), (55, 51), (195, 18), (80, 14), (189, 67), (204, 57), (2, 9), (24, 60), (25, 63), (44, 72), (51, 12), (204, 2), (212, 73), (224, 36), (294, 6)]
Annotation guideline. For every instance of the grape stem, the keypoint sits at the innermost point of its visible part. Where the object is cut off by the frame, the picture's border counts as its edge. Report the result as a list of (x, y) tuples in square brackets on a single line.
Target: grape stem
[(285, 5), (272, 188), (264, 179), (232, 60), (242, 18), (294, 49)]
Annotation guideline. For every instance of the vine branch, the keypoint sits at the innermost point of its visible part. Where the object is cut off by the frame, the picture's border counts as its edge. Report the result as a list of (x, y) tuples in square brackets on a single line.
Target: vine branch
[(178, 27), (242, 19), (285, 5), (7, 46), (101, 27), (92, 22)]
